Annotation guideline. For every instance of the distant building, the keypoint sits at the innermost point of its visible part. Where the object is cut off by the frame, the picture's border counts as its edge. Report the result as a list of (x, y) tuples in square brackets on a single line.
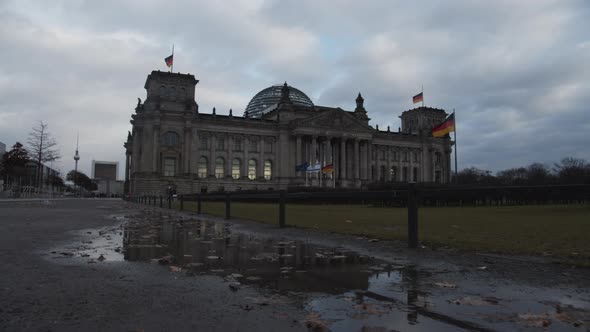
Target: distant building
[(2, 152), (174, 144), (104, 174), (105, 170)]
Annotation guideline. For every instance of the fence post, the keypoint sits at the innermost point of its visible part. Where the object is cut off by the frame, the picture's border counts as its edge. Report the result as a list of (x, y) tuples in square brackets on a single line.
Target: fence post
[(282, 201), (198, 203), (227, 206), (161, 201), (181, 202), (412, 216)]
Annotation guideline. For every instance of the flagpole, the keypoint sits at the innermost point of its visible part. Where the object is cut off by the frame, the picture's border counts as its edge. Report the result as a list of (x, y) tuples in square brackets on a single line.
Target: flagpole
[(172, 66), (420, 92), (333, 169), (455, 137)]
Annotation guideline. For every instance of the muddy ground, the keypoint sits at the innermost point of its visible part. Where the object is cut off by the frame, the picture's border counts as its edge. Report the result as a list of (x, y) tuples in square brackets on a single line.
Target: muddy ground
[(105, 265)]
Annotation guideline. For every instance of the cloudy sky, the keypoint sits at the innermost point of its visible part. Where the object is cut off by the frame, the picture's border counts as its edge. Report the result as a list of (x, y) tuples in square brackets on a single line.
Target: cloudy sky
[(517, 72)]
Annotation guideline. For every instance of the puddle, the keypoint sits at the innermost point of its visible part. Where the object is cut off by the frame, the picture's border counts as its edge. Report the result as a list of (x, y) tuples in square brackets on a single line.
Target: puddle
[(339, 288), (283, 265)]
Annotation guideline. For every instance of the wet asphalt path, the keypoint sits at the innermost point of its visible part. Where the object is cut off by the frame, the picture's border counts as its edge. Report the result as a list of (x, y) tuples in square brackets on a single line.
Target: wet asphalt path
[(47, 284), (38, 294)]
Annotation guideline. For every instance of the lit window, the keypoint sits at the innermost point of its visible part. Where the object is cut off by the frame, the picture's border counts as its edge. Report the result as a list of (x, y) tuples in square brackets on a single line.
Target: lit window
[(235, 168), (170, 138), (267, 170), (202, 168), (393, 173), (169, 166), (252, 169), (219, 167)]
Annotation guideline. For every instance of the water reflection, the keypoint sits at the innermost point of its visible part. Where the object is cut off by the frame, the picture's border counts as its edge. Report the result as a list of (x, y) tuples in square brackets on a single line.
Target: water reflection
[(212, 248)]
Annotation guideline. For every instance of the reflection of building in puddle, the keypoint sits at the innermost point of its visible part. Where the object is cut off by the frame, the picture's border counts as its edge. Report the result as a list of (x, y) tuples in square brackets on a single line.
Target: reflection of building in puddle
[(212, 248)]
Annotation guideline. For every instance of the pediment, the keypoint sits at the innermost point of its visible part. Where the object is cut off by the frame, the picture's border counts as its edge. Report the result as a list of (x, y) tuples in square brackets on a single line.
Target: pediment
[(336, 120)]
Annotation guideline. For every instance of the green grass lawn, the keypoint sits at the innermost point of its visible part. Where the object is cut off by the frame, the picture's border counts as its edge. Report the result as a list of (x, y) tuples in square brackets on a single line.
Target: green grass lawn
[(561, 230)]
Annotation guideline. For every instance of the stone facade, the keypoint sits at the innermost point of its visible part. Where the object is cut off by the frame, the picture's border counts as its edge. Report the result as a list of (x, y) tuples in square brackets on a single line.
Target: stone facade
[(172, 144)]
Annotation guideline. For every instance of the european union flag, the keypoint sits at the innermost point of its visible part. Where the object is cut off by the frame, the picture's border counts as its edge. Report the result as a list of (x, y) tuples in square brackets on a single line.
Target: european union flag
[(302, 167)]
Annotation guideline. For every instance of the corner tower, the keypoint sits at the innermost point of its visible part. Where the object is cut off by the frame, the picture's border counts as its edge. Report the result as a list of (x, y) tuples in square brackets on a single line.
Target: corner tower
[(170, 92), (421, 120)]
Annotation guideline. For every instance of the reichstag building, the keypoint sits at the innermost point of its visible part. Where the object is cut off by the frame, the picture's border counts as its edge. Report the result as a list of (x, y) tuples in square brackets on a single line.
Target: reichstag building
[(173, 144)]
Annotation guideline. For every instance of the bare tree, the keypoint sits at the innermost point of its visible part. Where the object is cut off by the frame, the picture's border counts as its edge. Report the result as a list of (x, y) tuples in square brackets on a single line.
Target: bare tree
[(42, 148)]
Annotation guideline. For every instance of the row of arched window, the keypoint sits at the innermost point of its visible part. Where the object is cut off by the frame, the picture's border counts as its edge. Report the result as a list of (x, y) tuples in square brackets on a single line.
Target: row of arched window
[(236, 168)]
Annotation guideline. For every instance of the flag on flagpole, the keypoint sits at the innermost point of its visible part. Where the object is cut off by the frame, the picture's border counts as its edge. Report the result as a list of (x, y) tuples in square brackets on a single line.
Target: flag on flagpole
[(418, 98), (328, 168), (169, 60), (445, 127), (302, 167), (314, 168)]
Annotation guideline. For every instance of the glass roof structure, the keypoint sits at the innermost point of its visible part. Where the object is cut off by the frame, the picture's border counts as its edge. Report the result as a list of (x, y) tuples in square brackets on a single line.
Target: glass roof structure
[(263, 101)]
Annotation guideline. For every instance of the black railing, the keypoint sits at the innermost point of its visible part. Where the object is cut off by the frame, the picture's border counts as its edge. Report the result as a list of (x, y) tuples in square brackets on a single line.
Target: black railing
[(411, 196)]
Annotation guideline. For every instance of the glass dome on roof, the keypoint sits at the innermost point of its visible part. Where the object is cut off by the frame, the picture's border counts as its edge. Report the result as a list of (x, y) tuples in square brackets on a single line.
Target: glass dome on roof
[(261, 103)]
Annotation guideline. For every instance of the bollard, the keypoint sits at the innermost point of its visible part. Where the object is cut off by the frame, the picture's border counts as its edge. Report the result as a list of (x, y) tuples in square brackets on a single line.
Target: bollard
[(282, 201), (181, 202), (227, 206), (412, 216), (161, 201), (198, 203)]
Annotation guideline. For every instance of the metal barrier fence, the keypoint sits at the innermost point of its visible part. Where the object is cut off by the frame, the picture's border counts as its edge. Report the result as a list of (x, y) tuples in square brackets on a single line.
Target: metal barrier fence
[(411, 196)]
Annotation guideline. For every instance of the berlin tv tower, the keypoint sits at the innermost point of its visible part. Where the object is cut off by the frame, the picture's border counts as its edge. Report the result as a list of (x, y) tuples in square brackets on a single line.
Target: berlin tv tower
[(76, 158)]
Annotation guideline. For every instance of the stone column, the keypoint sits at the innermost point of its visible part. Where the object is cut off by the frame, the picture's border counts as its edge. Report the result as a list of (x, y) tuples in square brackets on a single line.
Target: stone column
[(227, 156), (187, 150), (398, 174), (298, 158), (127, 166), (135, 164), (211, 164), (370, 161), (388, 170), (314, 148), (343, 158), (260, 165), (156, 150), (246, 158), (357, 162)]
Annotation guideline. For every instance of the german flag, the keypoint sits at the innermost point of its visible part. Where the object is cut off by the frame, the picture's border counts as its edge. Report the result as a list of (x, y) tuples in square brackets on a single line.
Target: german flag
[(169, 60), (418, 98), (444, 128), (328, 168)]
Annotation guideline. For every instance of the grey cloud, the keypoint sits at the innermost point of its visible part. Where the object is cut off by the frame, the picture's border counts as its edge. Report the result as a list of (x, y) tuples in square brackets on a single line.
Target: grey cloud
[(515, 72)]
